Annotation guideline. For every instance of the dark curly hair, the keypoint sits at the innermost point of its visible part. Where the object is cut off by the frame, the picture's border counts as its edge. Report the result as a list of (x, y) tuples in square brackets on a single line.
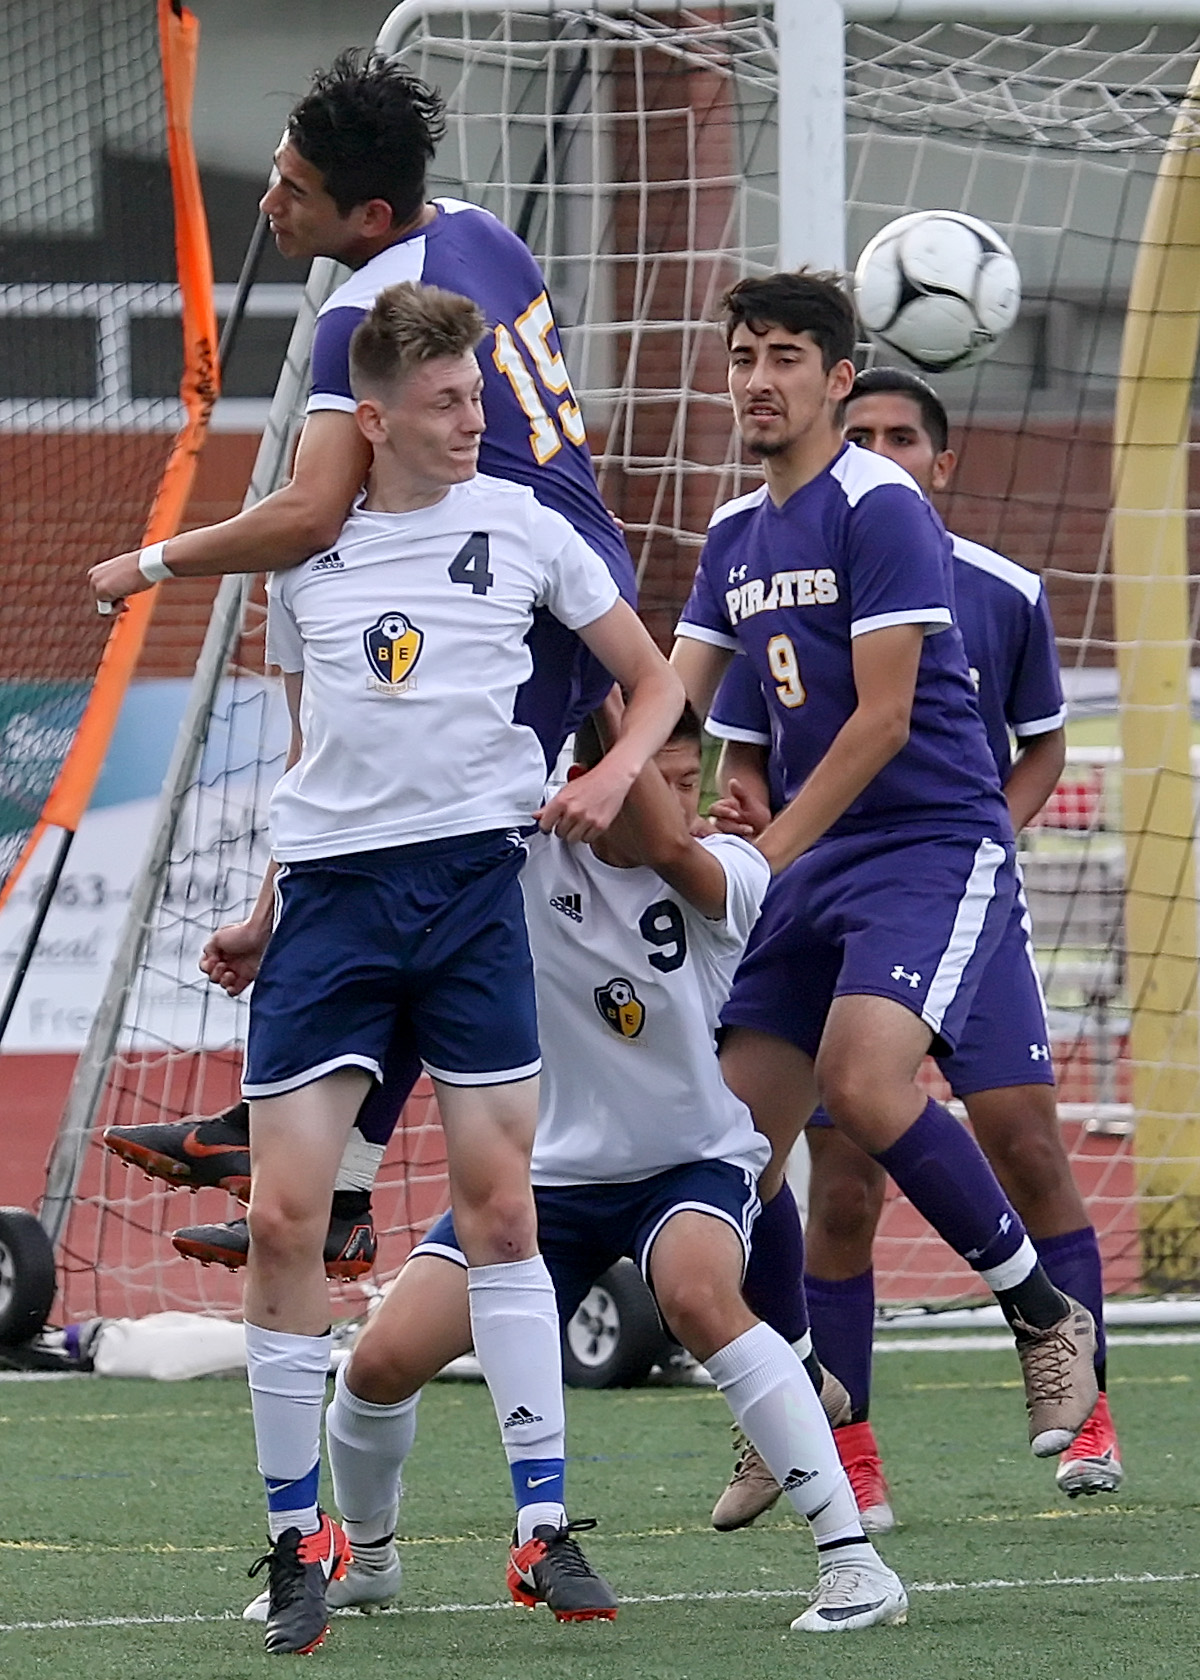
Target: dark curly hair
[(800, 301), (371, 129)]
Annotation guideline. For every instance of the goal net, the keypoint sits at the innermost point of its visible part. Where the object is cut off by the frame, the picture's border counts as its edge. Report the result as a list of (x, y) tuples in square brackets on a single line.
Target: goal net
[(637, 155), (103, 233)]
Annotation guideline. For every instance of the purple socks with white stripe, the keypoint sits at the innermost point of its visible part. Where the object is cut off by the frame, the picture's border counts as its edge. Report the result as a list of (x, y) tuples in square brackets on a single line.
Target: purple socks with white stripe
[(946, 1177)]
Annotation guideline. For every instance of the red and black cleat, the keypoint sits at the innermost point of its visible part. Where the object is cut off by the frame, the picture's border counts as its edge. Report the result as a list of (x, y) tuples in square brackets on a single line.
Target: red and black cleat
[(350, 1247), (550, 1569), (212, 1152), (300, 1566)]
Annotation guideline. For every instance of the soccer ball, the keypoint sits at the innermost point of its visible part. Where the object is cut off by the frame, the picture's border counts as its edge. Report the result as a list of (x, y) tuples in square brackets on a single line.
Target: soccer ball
[(940, 287)]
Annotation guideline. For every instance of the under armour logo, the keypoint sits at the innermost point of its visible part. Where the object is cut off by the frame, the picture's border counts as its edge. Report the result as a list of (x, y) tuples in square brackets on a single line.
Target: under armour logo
[(737, 574), (914, 979), (1039, 1052)]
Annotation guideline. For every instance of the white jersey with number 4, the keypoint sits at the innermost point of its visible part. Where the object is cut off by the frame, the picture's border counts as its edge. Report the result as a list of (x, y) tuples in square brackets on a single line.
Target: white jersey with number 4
[(410, 634), (631, 979)]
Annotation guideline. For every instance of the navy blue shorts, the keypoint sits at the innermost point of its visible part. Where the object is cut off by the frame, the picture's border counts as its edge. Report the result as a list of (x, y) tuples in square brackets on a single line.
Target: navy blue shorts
[(433, 934), (912, 918), (1005, 1040), (583, 1229)]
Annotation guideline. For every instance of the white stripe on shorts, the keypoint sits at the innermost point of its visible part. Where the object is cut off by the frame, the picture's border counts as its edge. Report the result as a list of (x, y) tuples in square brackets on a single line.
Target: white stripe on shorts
[(503, 1076), (964, 935), (321, 1070)]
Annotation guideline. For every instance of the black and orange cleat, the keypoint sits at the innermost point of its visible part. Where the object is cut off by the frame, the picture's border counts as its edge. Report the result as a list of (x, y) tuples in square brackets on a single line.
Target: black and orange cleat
[(550, 1569), (211, 1152), (350, 1247), (299, 1568)]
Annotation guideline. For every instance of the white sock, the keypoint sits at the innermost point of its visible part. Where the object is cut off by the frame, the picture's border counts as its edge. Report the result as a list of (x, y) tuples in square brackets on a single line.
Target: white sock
[(514, 1325), (287, 1390), (360, 1163), (367, 1446), (771, 1397)]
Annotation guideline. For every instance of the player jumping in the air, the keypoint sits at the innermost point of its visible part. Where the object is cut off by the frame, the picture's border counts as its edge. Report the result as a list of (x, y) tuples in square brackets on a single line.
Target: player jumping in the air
[(351, 185), (641, 1150), (394, 900), (895, 843), (1001, 1068)]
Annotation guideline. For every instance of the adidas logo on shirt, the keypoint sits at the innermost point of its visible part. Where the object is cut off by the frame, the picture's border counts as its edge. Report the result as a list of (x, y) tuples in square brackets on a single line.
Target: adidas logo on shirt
[(571, 904), (796, 1479), (330, 563), (521, 1416)]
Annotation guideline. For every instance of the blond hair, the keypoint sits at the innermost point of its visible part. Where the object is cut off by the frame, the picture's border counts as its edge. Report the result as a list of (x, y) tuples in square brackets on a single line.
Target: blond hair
[(409, 324)]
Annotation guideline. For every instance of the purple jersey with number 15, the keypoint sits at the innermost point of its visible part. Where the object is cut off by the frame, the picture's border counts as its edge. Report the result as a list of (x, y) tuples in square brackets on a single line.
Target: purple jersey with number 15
[(856, 549), (535, 434)]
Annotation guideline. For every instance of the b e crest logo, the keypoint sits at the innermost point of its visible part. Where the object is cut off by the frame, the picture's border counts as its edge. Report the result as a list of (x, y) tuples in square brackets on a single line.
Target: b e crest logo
[(393, 647), (621, 1007)]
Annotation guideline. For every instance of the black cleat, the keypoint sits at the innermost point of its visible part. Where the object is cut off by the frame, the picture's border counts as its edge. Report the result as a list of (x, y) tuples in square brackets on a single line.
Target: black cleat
[(350, 1247), (212, 1151), (300, 1566), (550, 1569)]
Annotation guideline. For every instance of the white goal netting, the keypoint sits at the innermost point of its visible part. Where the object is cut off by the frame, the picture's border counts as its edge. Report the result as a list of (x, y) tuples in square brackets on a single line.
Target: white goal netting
[(636, 153)]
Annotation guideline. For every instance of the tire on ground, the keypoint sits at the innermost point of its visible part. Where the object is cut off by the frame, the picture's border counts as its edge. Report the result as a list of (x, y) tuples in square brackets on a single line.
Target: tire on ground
[(616, 1336), (27, 1280)]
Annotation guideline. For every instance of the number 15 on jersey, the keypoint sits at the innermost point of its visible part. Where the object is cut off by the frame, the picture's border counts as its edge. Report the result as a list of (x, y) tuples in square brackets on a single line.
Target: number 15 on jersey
[(533, 328)]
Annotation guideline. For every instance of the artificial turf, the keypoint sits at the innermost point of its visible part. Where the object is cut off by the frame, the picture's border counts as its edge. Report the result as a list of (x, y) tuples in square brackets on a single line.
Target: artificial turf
[(128, 1500)]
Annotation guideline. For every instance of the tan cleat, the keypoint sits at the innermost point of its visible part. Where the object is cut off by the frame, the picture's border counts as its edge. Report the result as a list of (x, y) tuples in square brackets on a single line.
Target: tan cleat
[(752, 1489), (1058, 1365)]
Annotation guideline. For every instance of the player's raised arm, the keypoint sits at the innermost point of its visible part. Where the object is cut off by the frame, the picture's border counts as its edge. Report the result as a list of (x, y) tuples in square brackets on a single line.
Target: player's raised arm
[(584, 808), (301, 518), (885, 675)]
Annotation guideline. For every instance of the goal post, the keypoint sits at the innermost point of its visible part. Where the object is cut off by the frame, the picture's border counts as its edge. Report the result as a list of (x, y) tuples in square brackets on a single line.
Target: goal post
[(1151, 458)]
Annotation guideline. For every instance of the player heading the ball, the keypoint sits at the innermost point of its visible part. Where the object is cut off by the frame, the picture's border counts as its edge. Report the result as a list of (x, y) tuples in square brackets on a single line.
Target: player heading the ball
[(394, 901)]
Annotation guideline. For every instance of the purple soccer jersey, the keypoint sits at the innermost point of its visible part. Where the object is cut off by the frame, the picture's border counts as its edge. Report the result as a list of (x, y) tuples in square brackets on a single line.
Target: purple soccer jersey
[(535, 433), (1009, 640), (873, 554)]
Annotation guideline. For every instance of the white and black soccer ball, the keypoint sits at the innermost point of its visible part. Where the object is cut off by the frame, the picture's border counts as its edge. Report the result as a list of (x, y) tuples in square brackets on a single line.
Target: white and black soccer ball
[(940, 287)]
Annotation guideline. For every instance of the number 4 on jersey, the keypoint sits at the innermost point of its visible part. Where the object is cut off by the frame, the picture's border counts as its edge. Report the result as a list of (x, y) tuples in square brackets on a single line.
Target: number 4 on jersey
[(470, 564)]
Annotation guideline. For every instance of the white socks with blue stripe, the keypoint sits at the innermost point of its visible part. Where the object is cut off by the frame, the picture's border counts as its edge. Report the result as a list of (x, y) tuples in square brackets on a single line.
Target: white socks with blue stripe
[(287, 1390), (514, 1324)]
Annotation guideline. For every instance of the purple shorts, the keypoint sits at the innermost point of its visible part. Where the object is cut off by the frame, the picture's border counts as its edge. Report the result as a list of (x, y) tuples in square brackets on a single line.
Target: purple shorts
[(915, 918), (1005, 1040)]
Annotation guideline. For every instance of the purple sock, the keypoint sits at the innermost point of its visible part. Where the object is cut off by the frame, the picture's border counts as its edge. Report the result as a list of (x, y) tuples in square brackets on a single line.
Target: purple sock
[(843, 1327), (943, 1172), (774, 1281), (380, 1112), (1072, 1264)]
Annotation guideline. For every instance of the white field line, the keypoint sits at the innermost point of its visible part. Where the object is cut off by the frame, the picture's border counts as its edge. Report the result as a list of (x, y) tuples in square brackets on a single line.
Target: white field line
[(66, 1625)]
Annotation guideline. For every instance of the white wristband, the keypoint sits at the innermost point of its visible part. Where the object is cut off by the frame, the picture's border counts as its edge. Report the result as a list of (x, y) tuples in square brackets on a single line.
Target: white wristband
[(152, 565)]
